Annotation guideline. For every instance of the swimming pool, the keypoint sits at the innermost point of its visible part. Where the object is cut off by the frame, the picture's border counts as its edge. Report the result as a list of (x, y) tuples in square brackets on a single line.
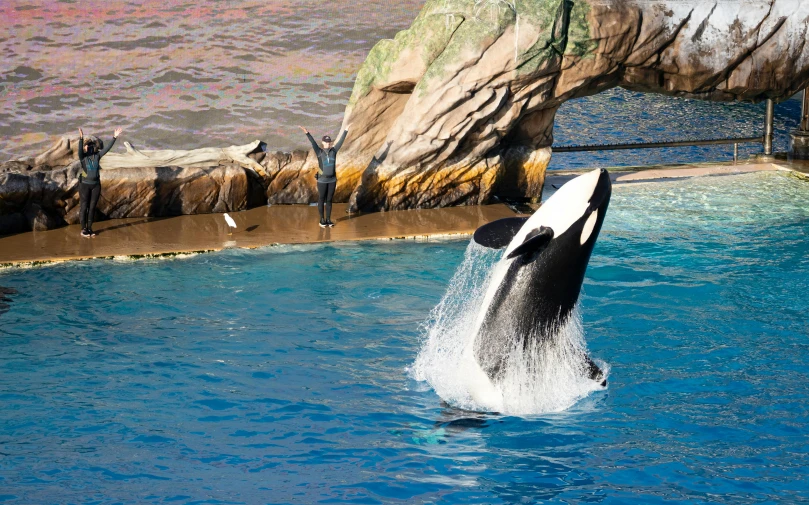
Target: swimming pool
[(282, 375)]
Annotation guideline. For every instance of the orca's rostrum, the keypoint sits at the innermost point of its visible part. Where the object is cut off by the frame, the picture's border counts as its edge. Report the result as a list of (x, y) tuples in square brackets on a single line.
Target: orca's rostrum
[(535, 285)]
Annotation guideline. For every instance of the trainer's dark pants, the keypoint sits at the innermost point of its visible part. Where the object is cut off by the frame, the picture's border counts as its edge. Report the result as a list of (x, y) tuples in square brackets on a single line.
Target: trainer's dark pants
[(325, 193), (89, 194)]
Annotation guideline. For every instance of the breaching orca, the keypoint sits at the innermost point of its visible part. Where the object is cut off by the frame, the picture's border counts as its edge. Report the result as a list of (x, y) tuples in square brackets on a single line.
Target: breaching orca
[(536, 283)]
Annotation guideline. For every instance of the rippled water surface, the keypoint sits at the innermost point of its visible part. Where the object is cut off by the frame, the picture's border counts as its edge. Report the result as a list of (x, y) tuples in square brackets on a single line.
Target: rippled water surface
[(182, 75), (281, 375)]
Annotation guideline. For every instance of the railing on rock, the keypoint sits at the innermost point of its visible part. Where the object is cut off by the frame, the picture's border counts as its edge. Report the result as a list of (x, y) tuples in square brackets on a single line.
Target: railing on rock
[(765, 140)]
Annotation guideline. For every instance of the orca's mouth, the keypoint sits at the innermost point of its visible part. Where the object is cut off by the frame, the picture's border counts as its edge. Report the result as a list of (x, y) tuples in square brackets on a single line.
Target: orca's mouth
[(602, 191)]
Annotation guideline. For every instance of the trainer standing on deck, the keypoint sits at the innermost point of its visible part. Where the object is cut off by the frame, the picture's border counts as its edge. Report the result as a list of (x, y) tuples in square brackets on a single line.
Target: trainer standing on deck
[(89, 182), (327, 174)]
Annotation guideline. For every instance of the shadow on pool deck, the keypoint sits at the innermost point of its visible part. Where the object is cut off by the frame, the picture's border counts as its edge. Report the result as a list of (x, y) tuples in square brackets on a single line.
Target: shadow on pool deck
[(298, 224)]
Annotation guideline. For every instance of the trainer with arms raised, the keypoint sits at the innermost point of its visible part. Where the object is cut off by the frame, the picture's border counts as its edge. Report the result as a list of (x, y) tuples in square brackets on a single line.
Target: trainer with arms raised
[(89, 182), (326, 174)]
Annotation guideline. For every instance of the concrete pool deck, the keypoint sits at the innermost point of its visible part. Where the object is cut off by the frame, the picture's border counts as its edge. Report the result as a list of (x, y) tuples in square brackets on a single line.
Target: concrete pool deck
[(261, 226), (297, 224)]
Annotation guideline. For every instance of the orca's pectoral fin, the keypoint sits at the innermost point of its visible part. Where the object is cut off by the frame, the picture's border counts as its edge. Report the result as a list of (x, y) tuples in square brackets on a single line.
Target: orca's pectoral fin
[(534, 242), (595, 373), (499, 234)]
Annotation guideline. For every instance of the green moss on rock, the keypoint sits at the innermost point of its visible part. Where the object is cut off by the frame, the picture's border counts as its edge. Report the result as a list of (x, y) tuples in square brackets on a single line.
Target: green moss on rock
[(579, 40), (481, 22), (445, 29), (429, 35), (542, 14), (375, 68)]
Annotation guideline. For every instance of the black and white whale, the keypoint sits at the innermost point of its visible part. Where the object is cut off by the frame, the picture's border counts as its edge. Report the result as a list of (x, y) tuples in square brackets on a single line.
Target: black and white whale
[(535, 285)]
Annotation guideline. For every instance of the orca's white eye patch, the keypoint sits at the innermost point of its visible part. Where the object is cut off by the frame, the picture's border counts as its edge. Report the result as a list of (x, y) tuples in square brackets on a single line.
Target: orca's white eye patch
[(587, 230)]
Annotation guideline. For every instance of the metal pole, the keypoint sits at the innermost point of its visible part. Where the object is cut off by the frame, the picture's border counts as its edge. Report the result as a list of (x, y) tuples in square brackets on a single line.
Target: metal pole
[(735, 153), (805, 111), (768, 127)]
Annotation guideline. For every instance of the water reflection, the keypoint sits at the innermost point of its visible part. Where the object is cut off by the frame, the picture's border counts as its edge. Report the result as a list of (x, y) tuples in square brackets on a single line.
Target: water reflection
[(5, 298)]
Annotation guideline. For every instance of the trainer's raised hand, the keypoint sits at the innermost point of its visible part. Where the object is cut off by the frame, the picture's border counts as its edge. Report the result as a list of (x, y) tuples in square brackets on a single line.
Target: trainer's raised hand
[(117, 132), (81, 133), (304, 129)]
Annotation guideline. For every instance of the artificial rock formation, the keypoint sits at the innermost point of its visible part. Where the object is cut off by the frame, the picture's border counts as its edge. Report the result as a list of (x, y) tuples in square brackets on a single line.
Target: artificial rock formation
[(456, 110), (64, 153), (459, 108), (46, 197), (204, 157), (41, 192)]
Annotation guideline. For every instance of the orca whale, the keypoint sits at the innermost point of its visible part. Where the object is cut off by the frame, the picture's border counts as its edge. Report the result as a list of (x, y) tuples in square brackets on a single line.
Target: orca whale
[(536, 283)]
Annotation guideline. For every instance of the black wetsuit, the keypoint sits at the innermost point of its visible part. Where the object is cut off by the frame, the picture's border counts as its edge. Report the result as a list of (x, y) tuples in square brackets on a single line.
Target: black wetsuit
[(327, 175), (90, 183)]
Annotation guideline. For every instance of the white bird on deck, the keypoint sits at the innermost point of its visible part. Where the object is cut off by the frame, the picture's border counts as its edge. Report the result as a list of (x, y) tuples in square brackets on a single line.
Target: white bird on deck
[(231, 223)]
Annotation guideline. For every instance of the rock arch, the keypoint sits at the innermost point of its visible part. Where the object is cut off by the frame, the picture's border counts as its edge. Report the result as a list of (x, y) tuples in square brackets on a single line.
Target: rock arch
[(460, 107)]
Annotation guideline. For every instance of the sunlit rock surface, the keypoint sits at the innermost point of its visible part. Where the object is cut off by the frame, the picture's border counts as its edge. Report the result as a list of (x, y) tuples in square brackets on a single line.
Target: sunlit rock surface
[(459, 108)]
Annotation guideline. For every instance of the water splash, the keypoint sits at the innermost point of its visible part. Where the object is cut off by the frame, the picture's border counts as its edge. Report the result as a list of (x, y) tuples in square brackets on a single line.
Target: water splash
[(543, 378)]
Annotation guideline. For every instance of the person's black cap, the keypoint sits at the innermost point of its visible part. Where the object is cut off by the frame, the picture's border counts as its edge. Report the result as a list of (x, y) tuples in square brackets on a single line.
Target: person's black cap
[(326, 138), (96, 144)]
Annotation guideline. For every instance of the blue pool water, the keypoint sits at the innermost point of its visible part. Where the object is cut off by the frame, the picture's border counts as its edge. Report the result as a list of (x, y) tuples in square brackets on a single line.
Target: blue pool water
[(603, 119), (282, 375)]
